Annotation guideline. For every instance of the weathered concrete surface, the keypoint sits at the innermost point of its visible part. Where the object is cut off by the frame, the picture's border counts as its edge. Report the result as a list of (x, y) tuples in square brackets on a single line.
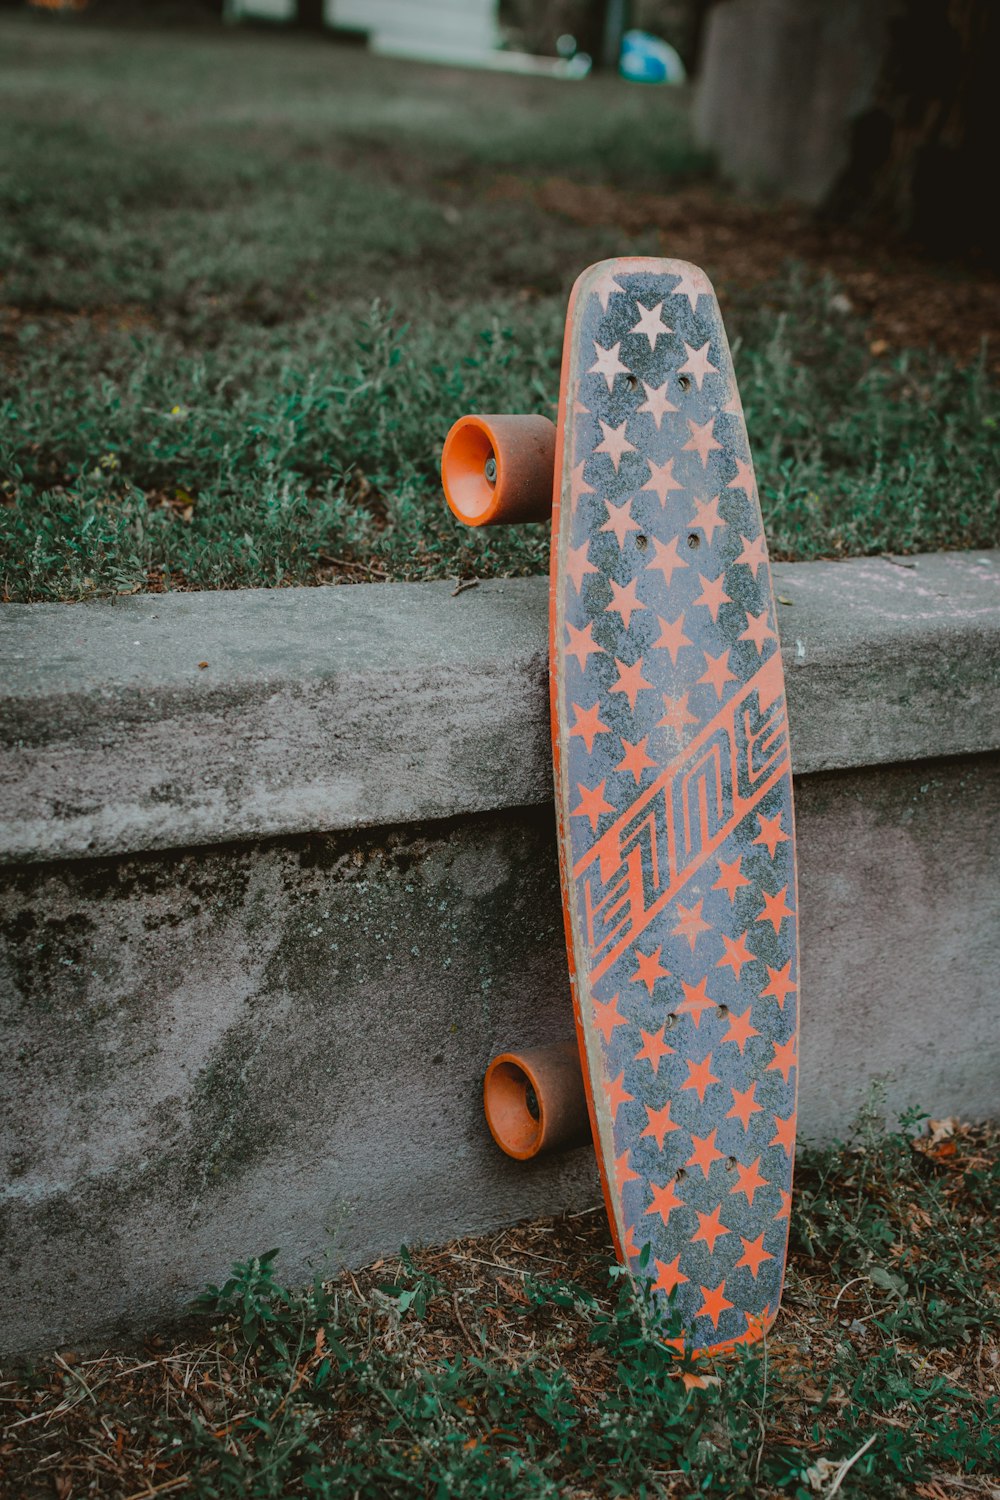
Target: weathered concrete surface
[(280, 1041), (209, 1053), (327, 709), (780, 84)]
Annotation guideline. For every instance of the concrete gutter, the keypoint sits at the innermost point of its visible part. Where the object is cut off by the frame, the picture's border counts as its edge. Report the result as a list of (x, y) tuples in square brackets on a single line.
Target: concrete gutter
[(331, 709)]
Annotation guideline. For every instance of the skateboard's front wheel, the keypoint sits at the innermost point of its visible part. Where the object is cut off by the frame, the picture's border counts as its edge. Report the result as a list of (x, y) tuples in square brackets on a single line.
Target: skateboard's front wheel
[(497, 470), (535, 1102)]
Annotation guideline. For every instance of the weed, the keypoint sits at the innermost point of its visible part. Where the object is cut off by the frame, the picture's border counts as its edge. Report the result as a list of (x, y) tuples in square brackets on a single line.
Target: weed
[(462, 1372)]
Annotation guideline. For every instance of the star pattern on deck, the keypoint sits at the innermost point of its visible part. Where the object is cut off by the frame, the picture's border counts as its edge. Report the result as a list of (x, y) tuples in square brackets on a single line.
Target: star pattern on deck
[(666, 617)]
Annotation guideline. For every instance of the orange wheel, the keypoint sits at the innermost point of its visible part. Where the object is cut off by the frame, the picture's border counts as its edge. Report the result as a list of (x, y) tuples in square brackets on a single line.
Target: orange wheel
[(498, 470), (535, 1102)]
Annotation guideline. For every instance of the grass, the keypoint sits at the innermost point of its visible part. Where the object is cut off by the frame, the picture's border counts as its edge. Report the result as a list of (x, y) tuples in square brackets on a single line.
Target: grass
[(248, 282), (516, 1367)]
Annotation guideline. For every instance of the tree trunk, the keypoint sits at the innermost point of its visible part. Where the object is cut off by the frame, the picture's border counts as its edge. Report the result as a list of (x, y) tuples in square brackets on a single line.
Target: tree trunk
[(922, 156)]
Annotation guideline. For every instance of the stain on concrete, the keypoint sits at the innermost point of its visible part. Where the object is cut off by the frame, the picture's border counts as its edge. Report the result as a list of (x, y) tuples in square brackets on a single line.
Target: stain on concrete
[(306, 1020)]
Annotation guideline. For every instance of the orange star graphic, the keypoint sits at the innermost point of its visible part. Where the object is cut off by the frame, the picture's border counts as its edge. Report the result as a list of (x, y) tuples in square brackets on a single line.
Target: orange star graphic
[(737, 954), (714, 1303), (648, 968), (784, 1059), (700, 1077), (634, 758), (668, 1276), (713, 595), (758, 630), (581, 644), (695, 1001), (750, 1180), (677, 714), (672, 636), (691, 924), (578, 485), (619, 521), (659, 1124), (744, 1105), (781, 985), (717, 672), (630, 1247), (578, 564), (710, 1228), (665, 1200), (588, 724), (744, 477), (771, 833), (665, 559), (786, 1203), (776, 908), (614, 443), (784, 1133), (623, 599), (740, 1031), (654, 1047), (616, 1094), (754, 1255), (754, 553), (592, 804), (704, 1153), (623, 1172), (662, 481), (730, 878), (697, 364), (656, 402), (702, 440), (630, 681), (607, 1016), (706, 516)]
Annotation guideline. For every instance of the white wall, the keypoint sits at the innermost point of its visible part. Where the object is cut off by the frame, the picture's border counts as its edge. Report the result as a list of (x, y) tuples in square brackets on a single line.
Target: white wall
[(422, 27), (265, 10)]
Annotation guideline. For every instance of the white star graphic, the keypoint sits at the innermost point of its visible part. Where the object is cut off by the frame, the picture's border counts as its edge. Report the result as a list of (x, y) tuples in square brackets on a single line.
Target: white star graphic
[(605, 288), (692, 284), (698, 364), (656, 402), (607, 363), (650, 323)]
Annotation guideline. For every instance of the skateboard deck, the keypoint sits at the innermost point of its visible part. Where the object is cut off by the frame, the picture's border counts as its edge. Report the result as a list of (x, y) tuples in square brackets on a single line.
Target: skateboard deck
[(672, 786)]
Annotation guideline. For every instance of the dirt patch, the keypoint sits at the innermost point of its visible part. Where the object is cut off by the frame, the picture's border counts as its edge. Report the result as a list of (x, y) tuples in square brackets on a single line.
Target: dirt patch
[(910, 300), (430, 1350)]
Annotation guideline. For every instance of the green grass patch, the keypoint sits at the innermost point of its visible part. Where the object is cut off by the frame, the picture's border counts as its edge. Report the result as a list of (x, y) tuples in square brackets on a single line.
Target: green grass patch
[(248, 282), (517, 1367), (300, 452)]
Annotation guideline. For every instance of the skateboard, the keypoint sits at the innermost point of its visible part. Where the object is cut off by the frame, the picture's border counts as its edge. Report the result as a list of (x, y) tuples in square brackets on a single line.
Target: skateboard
[(673, 795)]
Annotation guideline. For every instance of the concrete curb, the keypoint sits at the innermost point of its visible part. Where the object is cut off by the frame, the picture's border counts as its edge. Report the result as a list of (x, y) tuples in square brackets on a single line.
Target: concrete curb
[(248, 1018), (328, 709)]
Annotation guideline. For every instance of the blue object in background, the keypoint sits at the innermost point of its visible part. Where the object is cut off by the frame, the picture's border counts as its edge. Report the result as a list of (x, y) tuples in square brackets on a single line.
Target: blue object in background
[(648, 59)]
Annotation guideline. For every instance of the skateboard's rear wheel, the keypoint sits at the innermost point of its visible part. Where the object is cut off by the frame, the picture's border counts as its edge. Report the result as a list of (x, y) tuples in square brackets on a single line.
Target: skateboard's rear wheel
[(497, 470), (535, 1102)]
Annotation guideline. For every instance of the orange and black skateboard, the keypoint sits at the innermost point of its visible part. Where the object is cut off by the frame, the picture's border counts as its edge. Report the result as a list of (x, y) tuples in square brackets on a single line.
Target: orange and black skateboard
[(673, 793)]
